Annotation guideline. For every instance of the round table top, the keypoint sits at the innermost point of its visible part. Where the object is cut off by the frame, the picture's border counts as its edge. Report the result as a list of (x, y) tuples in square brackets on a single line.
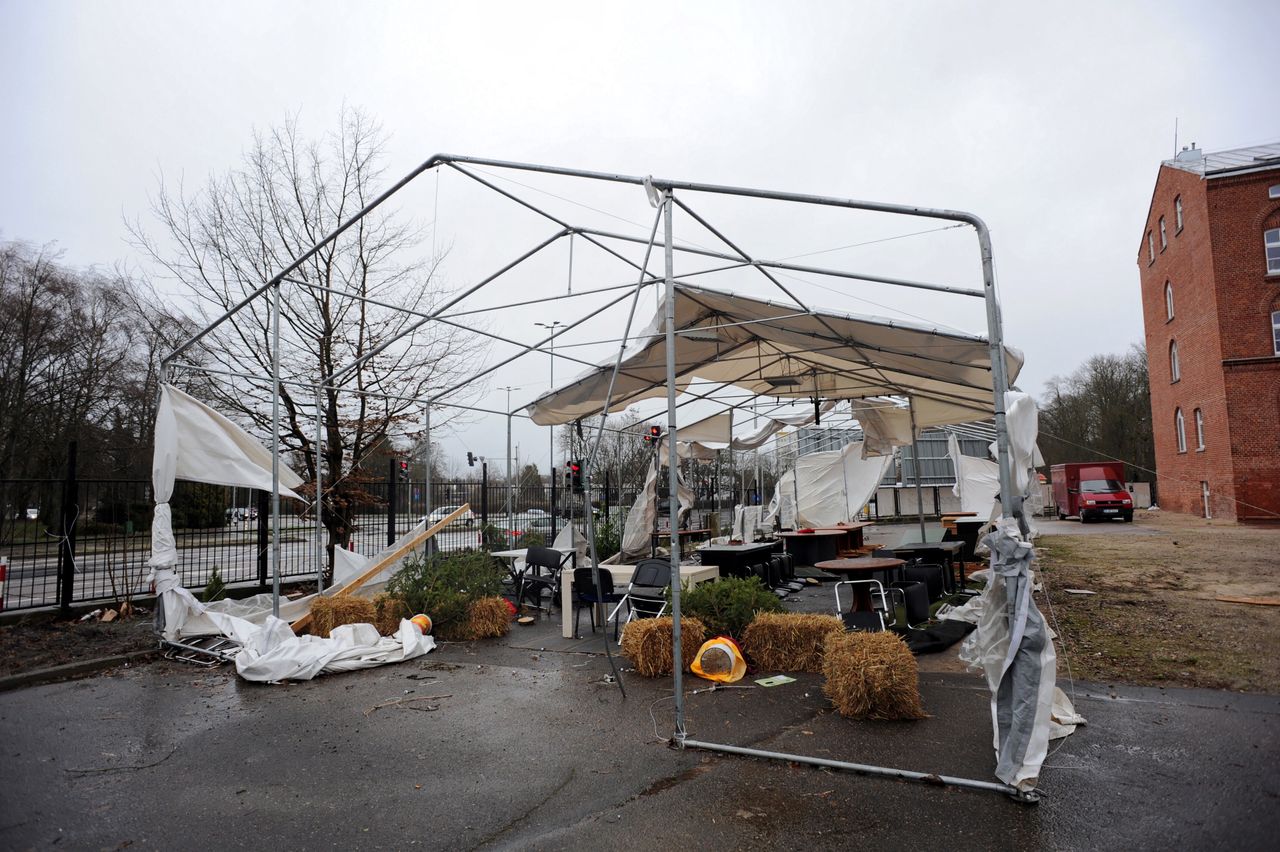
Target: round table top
[(864, 563), (817, 531)]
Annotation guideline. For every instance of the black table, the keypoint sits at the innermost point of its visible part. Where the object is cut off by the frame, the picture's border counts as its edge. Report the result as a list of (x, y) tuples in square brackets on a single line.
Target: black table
[(967, 530), (948, 552), (817, 546), (736, 559)]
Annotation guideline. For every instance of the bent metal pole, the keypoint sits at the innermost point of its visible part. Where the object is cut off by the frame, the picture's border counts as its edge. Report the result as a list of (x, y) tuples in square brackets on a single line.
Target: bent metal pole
[(673, 462)]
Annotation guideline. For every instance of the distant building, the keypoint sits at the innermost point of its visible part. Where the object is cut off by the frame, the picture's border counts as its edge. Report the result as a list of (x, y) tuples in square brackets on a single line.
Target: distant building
[(1209, 262)]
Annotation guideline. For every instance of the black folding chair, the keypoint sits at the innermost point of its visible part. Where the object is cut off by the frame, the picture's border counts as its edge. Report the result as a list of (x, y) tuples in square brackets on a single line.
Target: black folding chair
[(868, 620), (532, 583), (646, 595), (586, 593)]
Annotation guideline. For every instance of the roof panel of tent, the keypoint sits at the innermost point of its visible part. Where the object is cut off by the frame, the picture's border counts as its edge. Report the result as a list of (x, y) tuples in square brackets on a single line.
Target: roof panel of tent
[(788, 351)]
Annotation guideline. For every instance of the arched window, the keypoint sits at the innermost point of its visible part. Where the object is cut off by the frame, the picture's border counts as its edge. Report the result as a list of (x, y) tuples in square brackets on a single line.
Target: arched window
[(1275, 330), (1177, 213), (1180, 426), (1164, 238), (1271, 242), (1199, 429), (1175, 374), (1168, 300)]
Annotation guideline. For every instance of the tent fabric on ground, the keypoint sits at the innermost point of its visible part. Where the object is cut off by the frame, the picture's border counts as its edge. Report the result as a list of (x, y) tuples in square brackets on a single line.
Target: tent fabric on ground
[(786, 351), (1014, 648), (829, 487)]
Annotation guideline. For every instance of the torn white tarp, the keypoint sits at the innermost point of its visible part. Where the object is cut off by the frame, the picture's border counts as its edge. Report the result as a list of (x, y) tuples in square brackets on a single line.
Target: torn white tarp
[(642, 517), (830, 487), (196, 443), (1014, 648), (977, 481), (883, 428)]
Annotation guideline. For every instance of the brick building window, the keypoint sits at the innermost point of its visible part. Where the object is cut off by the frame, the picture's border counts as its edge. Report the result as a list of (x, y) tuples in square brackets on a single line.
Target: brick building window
[(1164, 239), (1151, 248), (1168, 300), (1175, 374), (1177, 214), (1180, 427), (1199, 429), (1271, 239), (1275, 331)]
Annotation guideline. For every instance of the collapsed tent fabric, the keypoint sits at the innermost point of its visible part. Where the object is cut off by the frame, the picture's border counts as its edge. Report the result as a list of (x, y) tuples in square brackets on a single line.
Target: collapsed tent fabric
[(642, 517), (1013, 646), (829, 487), (883, 428), (196, 443), (788, 351), (977, 481)]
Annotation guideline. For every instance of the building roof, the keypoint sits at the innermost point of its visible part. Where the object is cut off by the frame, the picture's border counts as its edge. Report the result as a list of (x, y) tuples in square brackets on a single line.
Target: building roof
[(1222, 163)]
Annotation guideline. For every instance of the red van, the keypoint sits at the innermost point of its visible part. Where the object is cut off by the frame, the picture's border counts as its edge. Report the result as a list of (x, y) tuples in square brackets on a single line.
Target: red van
[(1091, 491)]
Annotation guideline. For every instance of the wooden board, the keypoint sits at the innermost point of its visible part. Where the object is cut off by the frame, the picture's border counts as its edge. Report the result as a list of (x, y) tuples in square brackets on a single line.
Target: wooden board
[(1244, 600), (376, 568)]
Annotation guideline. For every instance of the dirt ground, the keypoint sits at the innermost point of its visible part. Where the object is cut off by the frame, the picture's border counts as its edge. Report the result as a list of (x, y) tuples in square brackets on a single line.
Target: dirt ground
[(1154, 620), (39, 643)]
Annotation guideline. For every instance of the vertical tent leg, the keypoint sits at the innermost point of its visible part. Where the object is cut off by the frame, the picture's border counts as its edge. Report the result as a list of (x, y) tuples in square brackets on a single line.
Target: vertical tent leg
[(275, 451), (673, 476), (320, 549), (915, 463)]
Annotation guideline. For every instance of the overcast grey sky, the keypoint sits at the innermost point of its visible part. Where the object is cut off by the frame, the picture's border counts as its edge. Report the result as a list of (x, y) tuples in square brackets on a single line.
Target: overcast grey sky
[(1049, 121)]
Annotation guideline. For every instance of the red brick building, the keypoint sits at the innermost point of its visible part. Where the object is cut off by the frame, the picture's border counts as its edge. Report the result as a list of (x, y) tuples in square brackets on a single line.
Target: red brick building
[(1209, 261)]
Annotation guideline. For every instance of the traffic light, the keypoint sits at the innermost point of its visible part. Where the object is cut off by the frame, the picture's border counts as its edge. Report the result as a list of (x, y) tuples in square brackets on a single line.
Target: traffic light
[(404, 469), (471, 459), (575, 475), (654, 436)]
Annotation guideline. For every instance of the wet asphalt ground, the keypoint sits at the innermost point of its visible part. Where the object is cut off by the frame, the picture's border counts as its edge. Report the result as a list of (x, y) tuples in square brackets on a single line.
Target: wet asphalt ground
[(514, 747)]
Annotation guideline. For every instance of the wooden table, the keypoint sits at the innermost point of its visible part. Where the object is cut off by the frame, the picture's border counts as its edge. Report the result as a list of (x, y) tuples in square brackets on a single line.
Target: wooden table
[(854, 567), (656, 535), (692, 574), (947, 551), (733, 559), (852, 531), (812, 548)]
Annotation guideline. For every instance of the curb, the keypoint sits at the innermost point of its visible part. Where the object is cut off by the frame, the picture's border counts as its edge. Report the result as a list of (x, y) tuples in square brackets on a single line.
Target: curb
[(71, 671)]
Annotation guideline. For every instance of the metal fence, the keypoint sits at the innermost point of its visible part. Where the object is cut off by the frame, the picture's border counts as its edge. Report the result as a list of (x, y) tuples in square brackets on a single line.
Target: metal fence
[(73, 540)]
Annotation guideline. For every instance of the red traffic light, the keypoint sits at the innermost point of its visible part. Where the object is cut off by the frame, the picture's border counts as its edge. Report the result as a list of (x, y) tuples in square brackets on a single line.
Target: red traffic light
[(404, 465)]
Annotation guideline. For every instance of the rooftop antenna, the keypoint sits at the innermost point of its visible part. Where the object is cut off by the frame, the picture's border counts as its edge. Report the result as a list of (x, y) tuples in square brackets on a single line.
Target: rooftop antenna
[(1175, 136)]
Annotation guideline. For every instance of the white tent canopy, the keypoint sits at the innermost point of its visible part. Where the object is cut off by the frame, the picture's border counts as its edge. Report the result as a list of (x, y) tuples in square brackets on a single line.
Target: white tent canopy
[(828, 488), (787, 351)]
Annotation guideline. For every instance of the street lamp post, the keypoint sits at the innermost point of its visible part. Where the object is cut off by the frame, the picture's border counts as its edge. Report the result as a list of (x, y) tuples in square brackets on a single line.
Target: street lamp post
[(551, 444)]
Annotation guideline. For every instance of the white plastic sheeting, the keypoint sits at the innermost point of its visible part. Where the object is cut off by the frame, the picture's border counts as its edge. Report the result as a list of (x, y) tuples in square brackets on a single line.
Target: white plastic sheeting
[(977, 481), (639, 526), (883, 428), (783, 351), (1014, 648), (829, 487), (196, 443)]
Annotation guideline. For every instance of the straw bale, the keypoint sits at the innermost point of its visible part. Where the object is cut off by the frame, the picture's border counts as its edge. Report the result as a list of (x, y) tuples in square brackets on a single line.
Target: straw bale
[(330, 612), (788, 641), (871, 676), (487, 618), (647, 643), (387, 613)]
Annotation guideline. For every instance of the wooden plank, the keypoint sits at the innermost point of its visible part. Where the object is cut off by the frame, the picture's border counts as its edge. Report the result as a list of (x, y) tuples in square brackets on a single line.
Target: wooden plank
[(377, 567), (1246, 600)]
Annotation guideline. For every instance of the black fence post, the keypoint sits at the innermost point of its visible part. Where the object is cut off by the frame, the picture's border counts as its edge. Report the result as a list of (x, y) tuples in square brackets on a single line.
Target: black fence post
[(392, 467), (264, 539), (937, 506), (67, 538), (606, 495), (484, 494)]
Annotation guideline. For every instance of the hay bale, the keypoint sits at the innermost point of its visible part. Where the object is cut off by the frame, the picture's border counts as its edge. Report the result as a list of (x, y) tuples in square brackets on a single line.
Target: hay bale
[(788, 641), (330, 612), (387, 613), (487, 618), (871, 676), (647, 643)]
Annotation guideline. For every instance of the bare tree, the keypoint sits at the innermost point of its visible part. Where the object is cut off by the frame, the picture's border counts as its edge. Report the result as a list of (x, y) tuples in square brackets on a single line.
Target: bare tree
[(1101, 411), (245, 226)]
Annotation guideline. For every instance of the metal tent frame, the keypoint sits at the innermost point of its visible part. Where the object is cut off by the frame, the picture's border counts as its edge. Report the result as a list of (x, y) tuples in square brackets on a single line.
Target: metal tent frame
[(665, 195)]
